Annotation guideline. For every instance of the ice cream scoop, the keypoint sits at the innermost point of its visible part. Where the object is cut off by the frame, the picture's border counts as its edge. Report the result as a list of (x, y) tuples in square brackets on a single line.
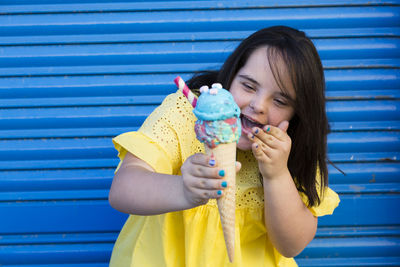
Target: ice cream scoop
[(217, 115), (215, 104)]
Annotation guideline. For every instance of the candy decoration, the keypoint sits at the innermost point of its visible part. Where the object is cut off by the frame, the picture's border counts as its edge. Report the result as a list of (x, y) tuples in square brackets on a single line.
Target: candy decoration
[(214, 88), (216, 85), (186, 91), (204, 89), (213, 91)]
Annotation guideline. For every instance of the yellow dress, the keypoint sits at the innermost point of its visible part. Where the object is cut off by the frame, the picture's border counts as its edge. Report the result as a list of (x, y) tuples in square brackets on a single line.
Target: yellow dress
[(194, 237)]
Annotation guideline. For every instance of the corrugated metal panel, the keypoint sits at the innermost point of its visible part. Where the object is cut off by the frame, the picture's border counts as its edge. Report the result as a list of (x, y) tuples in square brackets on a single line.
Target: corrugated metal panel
[(75, 74)]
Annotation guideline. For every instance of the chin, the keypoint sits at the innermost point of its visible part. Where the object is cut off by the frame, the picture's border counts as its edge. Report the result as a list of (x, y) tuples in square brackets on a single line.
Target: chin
[(244, 144)]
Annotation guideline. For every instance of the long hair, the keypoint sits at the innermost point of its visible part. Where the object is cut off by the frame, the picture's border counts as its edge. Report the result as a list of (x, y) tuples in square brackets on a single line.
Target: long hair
[(309, 126)]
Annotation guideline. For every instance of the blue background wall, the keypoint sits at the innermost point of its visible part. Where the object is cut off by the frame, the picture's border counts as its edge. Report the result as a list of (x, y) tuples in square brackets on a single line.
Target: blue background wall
[(74, 74)]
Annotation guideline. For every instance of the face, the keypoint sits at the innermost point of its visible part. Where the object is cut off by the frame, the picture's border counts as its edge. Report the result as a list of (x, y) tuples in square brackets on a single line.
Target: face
[(259, 97)]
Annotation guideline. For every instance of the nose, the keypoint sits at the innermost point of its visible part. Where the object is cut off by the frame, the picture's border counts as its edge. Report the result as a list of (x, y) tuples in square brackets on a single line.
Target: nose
[(259, 104)]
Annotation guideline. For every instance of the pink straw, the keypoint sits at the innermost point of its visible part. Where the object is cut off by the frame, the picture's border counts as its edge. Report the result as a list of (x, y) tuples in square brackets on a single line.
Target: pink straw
[(186, 91)]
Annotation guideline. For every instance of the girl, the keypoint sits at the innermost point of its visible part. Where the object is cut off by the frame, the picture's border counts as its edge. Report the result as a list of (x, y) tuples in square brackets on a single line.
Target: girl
[(276, 78)]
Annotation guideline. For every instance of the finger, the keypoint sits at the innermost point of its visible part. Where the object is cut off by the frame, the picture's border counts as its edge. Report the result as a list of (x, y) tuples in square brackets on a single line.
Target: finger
[(208, 194), (261, 150), (207, 172), (284, 125), (264, 138), (257, 150), (203, 160), (276, 132), (258, 133), (238, 166), (267, 150), (209, 184)]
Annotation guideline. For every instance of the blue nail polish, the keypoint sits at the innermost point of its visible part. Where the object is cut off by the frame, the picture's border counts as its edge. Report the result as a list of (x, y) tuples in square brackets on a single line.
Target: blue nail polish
[(224, 184), (256, 131), (221, 173), (212, 162), (219, 192)]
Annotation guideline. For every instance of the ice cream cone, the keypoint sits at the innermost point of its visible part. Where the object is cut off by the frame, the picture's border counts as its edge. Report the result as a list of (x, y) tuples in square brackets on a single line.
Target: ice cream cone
[(218, 127), (225, 155)]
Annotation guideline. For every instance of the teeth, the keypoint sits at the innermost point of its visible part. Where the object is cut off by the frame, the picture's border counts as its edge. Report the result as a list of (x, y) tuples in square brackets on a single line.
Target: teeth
[(252, 120)]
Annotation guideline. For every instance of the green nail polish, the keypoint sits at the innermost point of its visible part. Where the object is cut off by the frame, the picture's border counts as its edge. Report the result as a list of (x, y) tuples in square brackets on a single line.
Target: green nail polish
[(224, 184), (221, 173), (269, 128)]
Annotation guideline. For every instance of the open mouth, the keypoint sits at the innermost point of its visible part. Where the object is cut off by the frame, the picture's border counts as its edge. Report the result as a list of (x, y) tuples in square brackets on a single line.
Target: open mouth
[(248, 124)]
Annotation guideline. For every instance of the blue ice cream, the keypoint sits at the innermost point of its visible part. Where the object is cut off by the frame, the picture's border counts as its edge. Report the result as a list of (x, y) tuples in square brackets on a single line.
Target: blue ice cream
[(218, 117)]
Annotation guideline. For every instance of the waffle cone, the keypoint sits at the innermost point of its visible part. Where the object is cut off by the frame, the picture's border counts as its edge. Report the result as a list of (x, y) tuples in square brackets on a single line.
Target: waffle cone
[(225, 155)]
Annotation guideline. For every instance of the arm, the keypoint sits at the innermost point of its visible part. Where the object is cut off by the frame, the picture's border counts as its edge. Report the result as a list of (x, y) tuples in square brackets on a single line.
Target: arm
[(291, 226), (138, 189)]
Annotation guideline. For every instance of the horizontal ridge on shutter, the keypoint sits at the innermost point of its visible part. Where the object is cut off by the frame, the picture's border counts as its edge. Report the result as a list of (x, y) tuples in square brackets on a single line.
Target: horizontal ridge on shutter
[(74, 74)]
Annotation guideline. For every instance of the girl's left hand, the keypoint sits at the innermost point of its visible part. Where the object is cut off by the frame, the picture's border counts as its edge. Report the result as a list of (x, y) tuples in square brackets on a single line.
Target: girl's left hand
[(271, 147)]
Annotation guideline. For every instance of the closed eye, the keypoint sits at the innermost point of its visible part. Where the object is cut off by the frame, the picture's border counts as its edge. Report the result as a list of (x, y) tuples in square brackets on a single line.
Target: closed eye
[(248, 86), (284, 100), (248, 82), (281, 102)]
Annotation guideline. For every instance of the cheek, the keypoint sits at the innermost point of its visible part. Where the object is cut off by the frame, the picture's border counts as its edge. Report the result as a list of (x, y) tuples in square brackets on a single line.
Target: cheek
[(274, 118), (277, 116), (240, 98), (237, 94), (240, 103)]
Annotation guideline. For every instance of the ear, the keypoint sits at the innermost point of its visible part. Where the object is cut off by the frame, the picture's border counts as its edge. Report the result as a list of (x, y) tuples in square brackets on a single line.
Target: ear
[(284, 125)]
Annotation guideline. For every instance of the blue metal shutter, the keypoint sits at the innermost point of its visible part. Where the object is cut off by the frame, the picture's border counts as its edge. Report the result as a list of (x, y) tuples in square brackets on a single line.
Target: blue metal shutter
[(73, 74)]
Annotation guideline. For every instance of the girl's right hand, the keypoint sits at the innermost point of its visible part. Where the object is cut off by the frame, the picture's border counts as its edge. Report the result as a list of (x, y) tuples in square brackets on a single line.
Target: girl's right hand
[(202, 179)]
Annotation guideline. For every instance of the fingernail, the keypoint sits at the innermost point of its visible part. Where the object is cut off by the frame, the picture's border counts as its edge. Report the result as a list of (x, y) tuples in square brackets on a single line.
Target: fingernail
[(257, 146), (268, 128), (219, 192), (252, 136), (212, 162), (256, 131), (221, 173), (224, 184)]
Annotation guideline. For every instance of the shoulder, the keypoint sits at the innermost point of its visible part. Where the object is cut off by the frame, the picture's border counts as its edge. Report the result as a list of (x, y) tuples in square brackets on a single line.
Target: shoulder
[(171, 125), (174, 110), (177, 101)]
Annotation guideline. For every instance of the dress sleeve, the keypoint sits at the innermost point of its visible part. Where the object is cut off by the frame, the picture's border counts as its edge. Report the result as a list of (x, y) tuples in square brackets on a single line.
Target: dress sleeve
[(330, 200), (144, 148), (165, 139)]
